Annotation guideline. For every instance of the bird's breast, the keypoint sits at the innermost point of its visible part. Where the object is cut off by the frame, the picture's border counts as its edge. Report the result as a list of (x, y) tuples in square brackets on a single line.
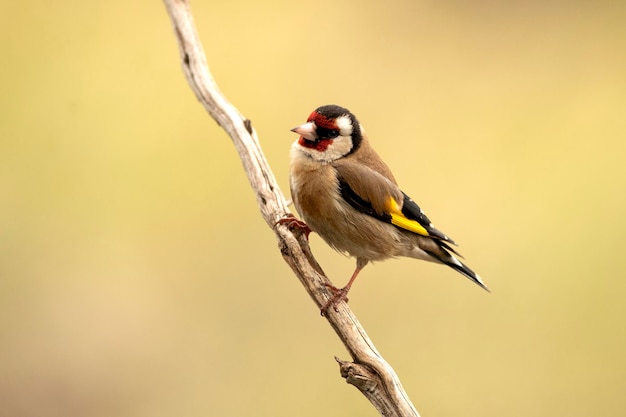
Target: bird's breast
[(315, 193), (314, 188)]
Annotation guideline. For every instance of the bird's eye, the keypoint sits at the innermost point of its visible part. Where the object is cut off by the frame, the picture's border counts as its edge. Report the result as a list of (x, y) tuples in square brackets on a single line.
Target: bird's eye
[(324, 133)]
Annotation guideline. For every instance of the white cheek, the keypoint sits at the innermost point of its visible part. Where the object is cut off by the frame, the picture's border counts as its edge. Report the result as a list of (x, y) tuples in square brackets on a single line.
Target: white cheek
[(345, 125), (341, 146)]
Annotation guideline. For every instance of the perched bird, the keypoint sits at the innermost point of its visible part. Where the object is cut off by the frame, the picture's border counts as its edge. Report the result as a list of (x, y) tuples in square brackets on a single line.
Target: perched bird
[(346, 193)]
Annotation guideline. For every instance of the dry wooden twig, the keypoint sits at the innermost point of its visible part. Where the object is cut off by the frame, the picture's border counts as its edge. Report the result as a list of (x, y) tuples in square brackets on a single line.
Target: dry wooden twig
[(369, 372)]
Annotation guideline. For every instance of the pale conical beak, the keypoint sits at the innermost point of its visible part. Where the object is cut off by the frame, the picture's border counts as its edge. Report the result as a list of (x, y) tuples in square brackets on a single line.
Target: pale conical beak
[(306, 130)]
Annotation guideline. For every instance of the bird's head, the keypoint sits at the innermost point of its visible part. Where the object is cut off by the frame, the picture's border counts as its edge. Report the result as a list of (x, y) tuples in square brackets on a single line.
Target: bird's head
[(331, 132)]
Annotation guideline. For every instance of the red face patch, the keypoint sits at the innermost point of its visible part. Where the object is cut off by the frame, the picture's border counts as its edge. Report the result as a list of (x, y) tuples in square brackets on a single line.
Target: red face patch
[(319, 145), (322, 121)]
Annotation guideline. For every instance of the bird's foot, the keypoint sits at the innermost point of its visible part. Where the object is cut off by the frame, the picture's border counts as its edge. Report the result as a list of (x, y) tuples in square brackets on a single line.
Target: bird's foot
[(295, 224), (339, 295)]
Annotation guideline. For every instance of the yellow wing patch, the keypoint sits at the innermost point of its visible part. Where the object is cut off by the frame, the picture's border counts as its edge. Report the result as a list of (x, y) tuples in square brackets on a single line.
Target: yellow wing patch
[(400, 220)]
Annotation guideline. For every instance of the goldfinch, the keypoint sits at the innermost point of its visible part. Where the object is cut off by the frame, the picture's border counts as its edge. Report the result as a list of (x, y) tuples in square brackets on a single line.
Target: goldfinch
[(346, 193)]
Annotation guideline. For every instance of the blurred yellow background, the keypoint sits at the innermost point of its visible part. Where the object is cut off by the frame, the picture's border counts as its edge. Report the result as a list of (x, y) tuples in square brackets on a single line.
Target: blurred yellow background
[(137, 277)]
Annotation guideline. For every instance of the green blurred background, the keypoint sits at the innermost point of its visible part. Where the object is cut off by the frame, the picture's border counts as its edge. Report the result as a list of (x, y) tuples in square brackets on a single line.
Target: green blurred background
[(137, 277)]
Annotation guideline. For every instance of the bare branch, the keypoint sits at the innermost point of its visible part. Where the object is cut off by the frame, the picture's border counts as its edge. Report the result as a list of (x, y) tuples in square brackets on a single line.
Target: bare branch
[(369, 372)]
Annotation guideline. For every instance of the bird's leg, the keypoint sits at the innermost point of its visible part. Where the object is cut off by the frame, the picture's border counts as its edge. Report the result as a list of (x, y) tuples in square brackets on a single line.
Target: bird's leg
[(294, 224), (341, 294)]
